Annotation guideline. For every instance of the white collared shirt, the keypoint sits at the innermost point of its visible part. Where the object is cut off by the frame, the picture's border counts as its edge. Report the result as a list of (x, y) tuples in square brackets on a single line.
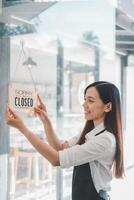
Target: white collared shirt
[(98, 150)]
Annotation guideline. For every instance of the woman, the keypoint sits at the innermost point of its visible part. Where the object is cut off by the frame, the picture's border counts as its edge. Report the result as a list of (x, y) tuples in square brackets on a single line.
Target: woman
[(96, 154)]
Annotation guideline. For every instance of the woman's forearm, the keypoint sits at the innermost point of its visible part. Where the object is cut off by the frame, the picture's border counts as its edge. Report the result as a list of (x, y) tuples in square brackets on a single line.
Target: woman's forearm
[(43, 148), (53, 140)]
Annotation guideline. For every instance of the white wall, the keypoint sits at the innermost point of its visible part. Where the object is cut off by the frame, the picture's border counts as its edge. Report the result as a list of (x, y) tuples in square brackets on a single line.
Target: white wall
[(110, 70)]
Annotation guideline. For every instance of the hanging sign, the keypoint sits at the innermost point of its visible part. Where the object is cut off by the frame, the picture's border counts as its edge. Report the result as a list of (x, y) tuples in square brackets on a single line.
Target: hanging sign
[(22, 98)]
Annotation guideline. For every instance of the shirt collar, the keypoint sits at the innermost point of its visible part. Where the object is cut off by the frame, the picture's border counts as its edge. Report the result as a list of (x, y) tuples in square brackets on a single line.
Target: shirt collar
[(96, 130)]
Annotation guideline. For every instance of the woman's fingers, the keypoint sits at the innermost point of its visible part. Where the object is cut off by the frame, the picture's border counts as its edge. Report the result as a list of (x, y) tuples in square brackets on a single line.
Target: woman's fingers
[(7, 114), (39, 107), (41, 113), (10, 116), (41, 104), (36, 110), (40, 101), (12, 113), (13, 119)]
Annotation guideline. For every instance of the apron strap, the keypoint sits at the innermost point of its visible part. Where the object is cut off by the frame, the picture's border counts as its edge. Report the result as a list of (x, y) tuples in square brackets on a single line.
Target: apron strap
[(100, 132)]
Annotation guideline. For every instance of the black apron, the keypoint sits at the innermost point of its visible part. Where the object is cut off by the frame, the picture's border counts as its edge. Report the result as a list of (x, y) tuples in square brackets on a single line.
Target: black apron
[(82, 184)]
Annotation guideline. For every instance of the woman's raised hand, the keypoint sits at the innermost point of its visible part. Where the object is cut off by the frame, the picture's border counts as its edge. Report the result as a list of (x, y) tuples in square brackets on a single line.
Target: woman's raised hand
[(41, 104), (13, 119), (41, 110)]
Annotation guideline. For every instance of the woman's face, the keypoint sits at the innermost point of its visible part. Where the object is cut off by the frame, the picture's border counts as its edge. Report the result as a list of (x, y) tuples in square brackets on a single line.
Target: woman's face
[(94, 108)]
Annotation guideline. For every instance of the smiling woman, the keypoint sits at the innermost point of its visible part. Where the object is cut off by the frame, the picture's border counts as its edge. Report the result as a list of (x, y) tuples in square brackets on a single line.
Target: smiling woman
[(94, 107), (73, 44), (94, 153)]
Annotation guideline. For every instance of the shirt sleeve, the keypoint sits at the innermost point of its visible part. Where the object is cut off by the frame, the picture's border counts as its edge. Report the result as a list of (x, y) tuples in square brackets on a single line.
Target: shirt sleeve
[(92, 150), (73, 141)]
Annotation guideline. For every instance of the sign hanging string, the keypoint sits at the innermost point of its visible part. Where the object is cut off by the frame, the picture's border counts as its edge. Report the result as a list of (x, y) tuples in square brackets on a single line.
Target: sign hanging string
[(23, 53)]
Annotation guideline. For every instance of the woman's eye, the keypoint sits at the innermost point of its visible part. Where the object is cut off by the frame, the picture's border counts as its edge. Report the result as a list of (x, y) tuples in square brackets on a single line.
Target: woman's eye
[(91, 101)]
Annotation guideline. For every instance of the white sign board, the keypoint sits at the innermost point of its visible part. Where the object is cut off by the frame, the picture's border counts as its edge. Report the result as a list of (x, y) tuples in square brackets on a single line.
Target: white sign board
[(22, 98)]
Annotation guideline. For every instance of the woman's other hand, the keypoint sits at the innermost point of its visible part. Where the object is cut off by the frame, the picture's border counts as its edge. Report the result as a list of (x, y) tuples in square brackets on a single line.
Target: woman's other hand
[(13, 119), (41, 110), (41, 104)]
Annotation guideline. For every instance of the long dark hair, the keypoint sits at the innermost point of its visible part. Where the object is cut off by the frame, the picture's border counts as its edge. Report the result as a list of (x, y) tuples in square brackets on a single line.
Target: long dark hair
[(108, 92)]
